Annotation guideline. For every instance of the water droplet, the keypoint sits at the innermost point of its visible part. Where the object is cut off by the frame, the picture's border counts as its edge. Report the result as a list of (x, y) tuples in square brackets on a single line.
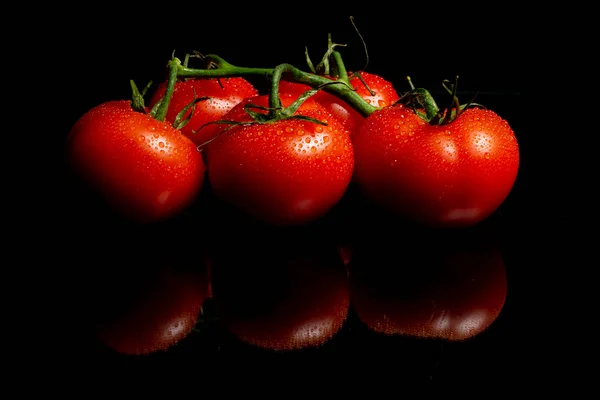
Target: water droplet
[(141, 138), (161, 144), (325, 139), (487, 156), (313, 149)]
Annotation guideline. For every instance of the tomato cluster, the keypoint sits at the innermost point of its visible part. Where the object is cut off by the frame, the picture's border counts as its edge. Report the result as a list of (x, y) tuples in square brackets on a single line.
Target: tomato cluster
[(287, 156)]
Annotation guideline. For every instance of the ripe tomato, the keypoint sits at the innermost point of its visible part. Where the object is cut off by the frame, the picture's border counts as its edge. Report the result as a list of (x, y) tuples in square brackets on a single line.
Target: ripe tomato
[(154, 311), (453, 293), (222, 94), (440, 175), (143, 168), (382, 93), (287, 172), (281, 296)]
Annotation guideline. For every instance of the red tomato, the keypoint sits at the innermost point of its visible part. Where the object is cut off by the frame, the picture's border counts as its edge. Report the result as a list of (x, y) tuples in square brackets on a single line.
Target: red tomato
[(144, 169), (153, 312), (281, 296), (400, 286), (284, 173), (382, 93), (222, 94), (449, 175)]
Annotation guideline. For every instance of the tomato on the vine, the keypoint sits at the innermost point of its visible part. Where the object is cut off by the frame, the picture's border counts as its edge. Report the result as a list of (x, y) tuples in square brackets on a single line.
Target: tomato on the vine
[(445, 175), (143, 168), (373, 88), (287, 172), (213, 97)]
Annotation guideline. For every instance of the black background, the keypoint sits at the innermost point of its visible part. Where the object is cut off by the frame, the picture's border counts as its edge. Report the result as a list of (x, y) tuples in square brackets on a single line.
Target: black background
[(495, 53)]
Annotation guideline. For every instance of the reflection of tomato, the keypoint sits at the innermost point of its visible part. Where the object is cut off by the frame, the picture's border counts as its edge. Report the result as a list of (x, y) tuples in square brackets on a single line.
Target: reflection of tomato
[(287, 295), (150, 309), (451, 286)]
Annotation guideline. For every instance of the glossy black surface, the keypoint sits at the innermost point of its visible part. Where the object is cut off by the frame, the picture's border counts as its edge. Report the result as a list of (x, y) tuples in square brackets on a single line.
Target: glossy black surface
[(376, 338)]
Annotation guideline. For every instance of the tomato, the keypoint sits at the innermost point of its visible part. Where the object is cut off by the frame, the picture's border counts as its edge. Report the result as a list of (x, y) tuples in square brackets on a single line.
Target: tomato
[(144, 169), (288, 172), (276, 294), (450, 175), (382, 93), (221, 95), (152, 312), (450, 286)]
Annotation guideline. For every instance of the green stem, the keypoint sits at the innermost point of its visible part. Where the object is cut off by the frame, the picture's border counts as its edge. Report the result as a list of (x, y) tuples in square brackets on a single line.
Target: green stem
[(224, 69), (161, 112), (341, 68), (274, 100), (337, 88)]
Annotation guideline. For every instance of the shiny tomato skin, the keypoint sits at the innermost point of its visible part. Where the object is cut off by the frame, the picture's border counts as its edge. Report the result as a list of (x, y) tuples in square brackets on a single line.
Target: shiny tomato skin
[(290, 172), (143, 168), (452, 175), (382, 94), (222, 94)]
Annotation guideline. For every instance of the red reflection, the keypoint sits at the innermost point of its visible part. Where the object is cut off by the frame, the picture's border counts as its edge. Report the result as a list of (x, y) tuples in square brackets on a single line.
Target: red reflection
[(449, 285), (280, 293), (152, 311)]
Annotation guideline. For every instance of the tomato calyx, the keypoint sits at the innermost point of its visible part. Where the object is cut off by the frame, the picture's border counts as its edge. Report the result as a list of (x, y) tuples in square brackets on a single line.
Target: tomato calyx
[(424, 105), (137, 98), (332, 66), (266, 115)]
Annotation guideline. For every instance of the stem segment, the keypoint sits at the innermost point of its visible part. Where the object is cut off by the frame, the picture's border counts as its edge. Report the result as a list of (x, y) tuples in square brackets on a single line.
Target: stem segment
[(161, 112), (338, 88)]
